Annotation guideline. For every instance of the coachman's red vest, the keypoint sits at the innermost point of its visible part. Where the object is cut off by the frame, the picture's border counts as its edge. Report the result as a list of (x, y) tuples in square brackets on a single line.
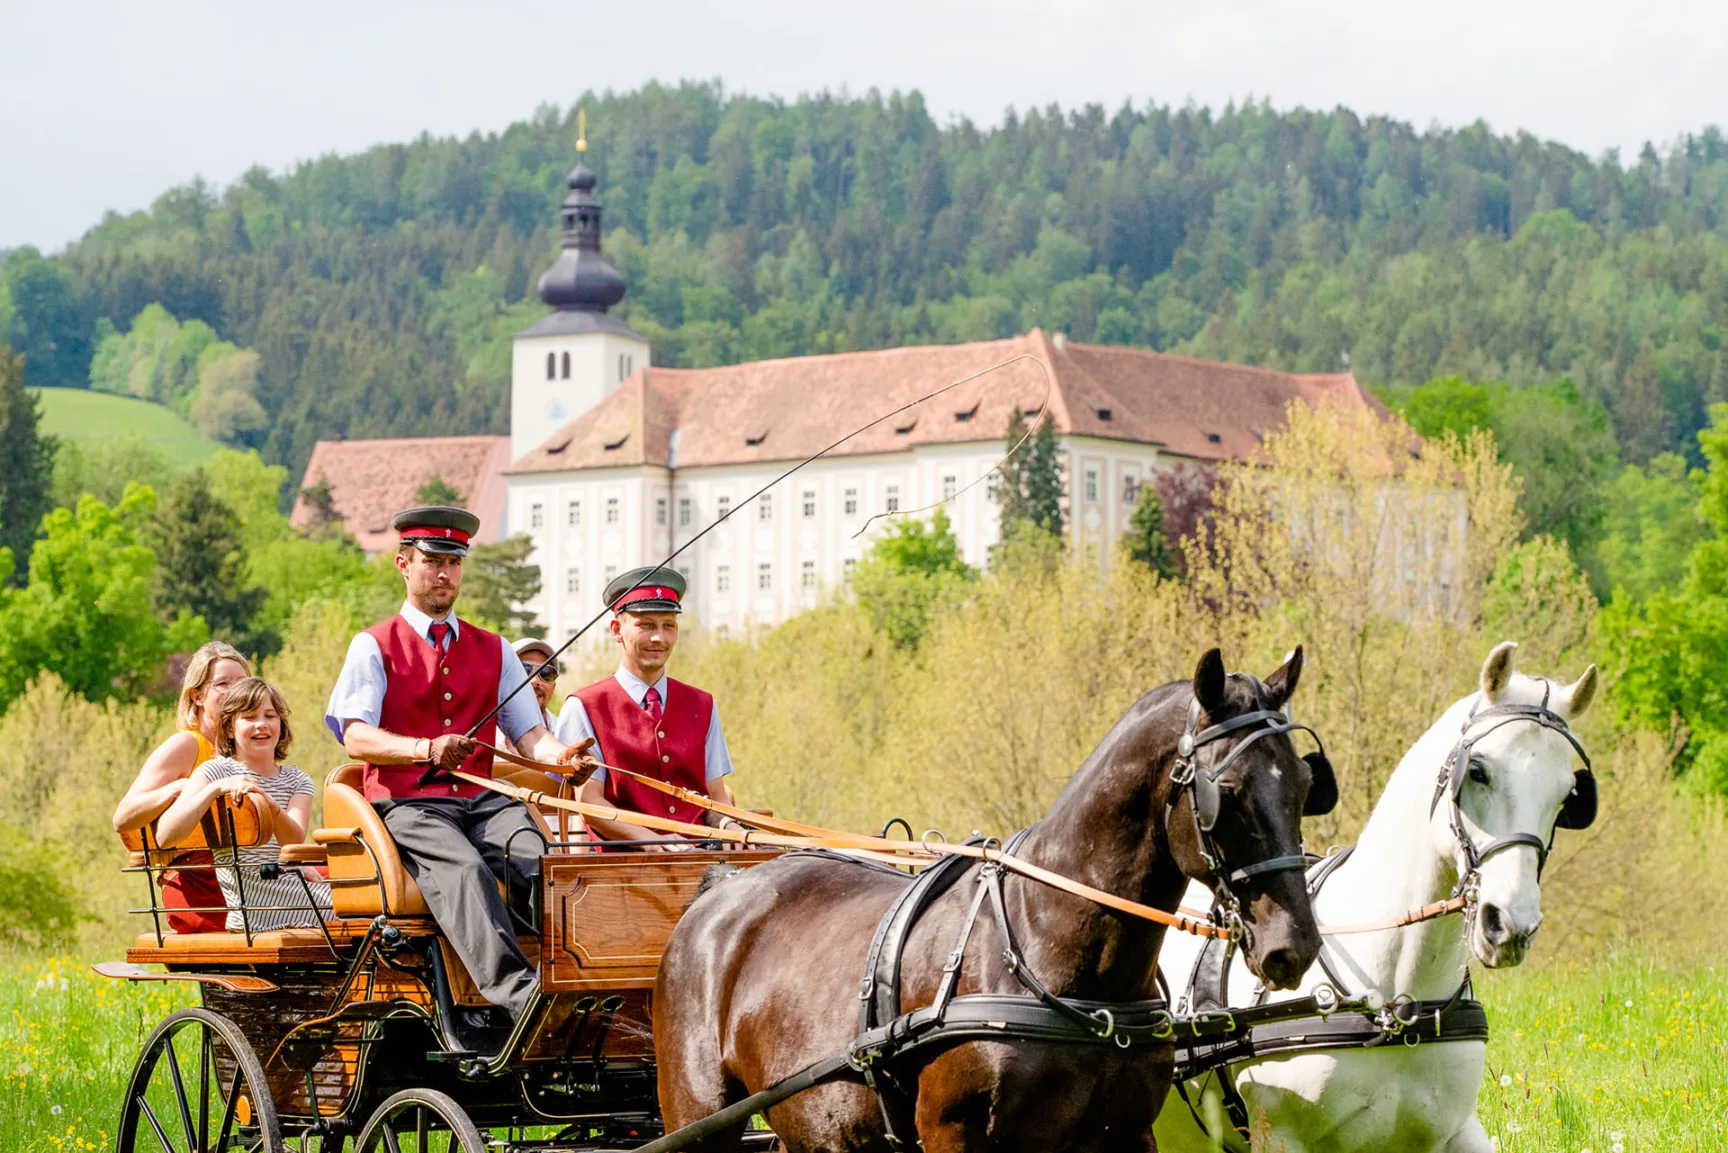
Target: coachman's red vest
[(428, 694), (672, 751)]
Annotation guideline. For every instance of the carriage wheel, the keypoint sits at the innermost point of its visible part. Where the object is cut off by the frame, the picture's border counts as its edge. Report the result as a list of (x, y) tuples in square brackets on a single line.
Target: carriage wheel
[(198, 1086), (420, 1121)]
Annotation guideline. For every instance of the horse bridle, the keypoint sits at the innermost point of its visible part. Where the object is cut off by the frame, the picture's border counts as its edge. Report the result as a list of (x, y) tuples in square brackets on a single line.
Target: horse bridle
[(1201, 785), (1578, 811)]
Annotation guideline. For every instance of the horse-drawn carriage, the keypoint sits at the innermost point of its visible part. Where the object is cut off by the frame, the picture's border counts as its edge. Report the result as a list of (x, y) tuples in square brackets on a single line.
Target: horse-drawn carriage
[(354, 1030)]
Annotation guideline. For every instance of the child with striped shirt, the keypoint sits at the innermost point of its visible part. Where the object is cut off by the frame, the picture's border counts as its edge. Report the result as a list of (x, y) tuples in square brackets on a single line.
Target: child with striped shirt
[(254, 737)]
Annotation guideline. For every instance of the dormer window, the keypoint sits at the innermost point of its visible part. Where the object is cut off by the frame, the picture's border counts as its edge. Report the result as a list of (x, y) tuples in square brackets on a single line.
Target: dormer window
[(612, 446), (752, 441), (1104, 414), (1214, 438), (963, 417), (902, 430)]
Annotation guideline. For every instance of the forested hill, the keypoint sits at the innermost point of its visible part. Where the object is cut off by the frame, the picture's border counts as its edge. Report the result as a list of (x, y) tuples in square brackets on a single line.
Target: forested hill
[(379, 290)]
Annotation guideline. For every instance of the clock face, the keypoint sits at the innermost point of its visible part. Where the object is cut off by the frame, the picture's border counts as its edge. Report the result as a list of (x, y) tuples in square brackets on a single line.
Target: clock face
[(555, 411)]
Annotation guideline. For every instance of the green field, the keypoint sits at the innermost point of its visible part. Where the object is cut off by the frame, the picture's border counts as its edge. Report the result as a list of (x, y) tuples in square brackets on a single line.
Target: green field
[(80, 414), (1627, 1052)]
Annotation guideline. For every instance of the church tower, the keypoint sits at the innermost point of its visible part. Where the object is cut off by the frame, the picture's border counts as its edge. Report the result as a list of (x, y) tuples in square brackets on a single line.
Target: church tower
[(564, 363)]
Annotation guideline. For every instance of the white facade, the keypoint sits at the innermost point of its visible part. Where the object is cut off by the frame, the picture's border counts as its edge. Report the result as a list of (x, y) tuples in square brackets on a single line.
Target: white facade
[(555, 378), (787, 549)]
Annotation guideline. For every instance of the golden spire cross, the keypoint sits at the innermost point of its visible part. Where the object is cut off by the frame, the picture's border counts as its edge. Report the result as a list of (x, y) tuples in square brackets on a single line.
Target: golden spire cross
[(581, 130)]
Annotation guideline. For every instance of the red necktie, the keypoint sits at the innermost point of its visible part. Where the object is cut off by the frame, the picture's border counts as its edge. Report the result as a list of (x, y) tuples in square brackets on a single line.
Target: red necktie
[(439, 631), (651, 702)]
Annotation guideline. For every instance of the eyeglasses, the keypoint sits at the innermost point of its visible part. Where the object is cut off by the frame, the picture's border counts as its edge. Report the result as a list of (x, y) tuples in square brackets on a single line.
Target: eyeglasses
[(547, 672)]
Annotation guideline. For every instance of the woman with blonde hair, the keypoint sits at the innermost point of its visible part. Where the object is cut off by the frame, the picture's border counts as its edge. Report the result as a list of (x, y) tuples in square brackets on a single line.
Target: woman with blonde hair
[(191, 887)]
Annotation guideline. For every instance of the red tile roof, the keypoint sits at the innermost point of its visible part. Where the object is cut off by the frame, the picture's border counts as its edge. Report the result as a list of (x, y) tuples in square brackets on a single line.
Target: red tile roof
[(372, 480), (778, 410)]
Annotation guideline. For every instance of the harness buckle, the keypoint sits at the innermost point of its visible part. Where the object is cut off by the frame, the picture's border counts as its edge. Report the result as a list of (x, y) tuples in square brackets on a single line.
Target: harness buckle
[(1224, 1016), (1108, 1019), (953, 962), (1163, 1028), (1325, 1000)]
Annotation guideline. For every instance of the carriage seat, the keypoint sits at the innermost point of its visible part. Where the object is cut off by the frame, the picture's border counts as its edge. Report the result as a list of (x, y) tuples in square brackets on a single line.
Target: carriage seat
[(351, 827)]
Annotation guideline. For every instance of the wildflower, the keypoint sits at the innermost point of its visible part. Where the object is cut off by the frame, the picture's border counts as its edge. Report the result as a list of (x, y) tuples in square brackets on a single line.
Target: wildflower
[(56, 1110), (1616, 1135), (1628, 1004), (1505, 1080), (1512, 1127), (1617, 1147)]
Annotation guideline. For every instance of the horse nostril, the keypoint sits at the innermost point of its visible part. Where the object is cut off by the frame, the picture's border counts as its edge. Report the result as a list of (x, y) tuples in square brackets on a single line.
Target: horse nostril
[(1281, 967), (1494, 926)]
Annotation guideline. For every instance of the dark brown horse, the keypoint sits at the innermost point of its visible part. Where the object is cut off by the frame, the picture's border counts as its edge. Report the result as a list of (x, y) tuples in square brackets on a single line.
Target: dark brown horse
[(762, 975)]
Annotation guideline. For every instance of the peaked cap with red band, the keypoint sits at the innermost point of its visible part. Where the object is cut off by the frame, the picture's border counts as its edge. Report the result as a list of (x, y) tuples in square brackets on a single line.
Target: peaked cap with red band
[(437, 529), (647, 590)]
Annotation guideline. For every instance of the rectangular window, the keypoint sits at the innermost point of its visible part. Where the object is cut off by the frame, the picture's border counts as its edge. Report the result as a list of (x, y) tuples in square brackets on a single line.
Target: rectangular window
[(893, 498), (851, 502), (1091, 484), (660, 510), (950, 486), (573, 582), (809, 503), (765, 506), (807, 575), (723, 579), (611, 510), (536, 515), (725, 508), (846, 567), (573, 514), (764, 576), (684, 513), (611, 573)]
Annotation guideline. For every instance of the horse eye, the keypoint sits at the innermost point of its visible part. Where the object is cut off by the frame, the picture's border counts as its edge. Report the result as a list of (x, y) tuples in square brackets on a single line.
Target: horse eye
[(1478, 771)]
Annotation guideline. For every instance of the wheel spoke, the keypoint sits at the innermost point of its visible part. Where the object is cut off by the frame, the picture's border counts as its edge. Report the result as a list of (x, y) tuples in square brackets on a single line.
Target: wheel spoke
[(228, 1108), (390, 1141), (421, 1125), (206, 1058), (180, 1091), (150, 1115)]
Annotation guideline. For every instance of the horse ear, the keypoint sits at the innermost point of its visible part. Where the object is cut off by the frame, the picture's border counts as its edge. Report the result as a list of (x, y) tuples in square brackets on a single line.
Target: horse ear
[(1497, 670), (1580, 694), (1209, 680), (1282, 684)]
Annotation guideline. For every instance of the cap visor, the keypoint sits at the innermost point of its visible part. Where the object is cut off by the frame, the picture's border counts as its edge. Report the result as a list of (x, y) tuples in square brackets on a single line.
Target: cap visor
[(440, 547)]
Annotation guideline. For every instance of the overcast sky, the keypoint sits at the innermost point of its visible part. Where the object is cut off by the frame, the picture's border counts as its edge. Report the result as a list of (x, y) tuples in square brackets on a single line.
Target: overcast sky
[(104, 105)]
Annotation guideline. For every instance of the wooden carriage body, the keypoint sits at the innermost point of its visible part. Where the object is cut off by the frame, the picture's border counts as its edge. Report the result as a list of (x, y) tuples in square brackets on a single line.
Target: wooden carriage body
[(344, 1015)]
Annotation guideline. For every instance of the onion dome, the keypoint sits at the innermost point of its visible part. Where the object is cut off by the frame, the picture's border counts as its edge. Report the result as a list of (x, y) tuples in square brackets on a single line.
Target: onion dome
[(580, 279)]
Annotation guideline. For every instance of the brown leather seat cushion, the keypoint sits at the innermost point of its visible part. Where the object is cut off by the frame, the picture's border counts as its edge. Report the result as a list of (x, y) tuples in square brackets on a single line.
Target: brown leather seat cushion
[(279, 946), (354, 883)]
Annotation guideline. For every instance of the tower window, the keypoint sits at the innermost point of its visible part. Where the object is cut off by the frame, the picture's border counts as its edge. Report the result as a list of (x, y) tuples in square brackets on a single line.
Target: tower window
[(660, 510), (725, 508), (611, 573), (573, 514), (551, 366), (611, 510), (809, 503), (723, 579), (765, 577), (765, 506), (851, 504), (536, 515), (950, 485), (684, 512), (1091, 484), (846, 567), (566, 366), (893, 498), (573, 581), (807, 575)]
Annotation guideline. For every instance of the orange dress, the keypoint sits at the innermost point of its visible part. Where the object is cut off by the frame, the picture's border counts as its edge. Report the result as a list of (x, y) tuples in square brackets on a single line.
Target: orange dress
[(190, 892)]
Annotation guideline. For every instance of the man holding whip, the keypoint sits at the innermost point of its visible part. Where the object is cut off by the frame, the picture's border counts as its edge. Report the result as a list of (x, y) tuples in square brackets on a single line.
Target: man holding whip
[(418, 695)]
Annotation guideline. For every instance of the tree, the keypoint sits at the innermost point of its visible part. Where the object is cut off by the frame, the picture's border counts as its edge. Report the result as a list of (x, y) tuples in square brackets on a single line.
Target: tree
[(41, 318), (321, 502), (201, 564), (496, 582), (1146, 541), (1028, 487), (86, 614), (26, 465), (103, 469), (437, 490), (908, 574), (1651, 527)]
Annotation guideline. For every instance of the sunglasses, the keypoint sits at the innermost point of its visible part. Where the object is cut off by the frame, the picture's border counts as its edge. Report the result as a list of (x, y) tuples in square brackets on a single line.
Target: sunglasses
[(547, 672)]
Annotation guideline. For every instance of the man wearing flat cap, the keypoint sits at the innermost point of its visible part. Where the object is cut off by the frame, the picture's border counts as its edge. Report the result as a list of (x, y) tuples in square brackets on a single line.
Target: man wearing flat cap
[(411, 689), (645, 721)]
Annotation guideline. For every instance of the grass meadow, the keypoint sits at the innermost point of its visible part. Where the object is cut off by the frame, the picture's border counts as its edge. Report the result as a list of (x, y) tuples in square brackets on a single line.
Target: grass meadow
[(1626, 1052), (81, 414)]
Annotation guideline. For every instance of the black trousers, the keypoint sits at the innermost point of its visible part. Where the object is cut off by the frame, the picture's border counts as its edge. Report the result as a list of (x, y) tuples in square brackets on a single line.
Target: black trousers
[(457, 849)]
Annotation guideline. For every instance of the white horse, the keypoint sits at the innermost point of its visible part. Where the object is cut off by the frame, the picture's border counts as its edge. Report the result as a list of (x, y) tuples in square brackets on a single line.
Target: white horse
[(1510, 790)]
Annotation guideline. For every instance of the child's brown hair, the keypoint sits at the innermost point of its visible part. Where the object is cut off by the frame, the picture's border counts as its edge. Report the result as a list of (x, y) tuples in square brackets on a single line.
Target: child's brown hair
[(248, 696)]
